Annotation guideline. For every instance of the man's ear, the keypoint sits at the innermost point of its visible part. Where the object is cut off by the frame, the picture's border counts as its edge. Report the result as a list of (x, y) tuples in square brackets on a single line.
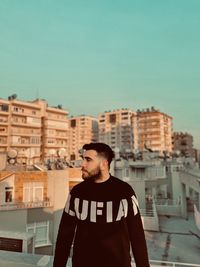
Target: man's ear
[(104, 164)]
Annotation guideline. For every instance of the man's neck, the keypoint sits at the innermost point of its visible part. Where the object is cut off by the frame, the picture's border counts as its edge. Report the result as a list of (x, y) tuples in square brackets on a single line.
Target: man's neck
[(103, 178)]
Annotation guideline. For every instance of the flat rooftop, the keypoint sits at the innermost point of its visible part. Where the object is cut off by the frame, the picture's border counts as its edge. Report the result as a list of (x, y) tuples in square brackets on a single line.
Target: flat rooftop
[(177, 241)]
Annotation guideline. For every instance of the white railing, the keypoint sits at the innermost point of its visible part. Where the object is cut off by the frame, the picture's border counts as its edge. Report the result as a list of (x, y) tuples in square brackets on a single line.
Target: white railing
[(166, 206), (167, 202), (147, 212), (150, 218), (156, 263), (25, 205), (151, 211)]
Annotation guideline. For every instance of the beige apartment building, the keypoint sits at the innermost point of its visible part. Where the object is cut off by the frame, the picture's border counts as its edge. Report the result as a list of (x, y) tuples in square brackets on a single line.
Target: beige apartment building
[(31, 132), (154, 130), (55, 132), (118, 129), (82, 129)]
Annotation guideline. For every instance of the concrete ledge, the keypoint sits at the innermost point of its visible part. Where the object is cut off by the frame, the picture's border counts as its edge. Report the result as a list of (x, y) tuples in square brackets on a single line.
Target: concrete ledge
[(14, 264)]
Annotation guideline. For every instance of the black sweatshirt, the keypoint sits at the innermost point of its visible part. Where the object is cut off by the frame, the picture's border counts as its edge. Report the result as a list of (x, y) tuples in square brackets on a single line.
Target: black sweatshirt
[(102, 219)]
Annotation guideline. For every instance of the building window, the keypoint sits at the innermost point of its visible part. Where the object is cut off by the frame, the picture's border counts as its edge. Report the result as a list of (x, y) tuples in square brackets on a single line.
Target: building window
[(50, 141), (112, 118), (73, 123), (8, 194), (33, 192), (4, 107), (35, 140), (2, 130), (72, 157), (125, 118), (41, 231)]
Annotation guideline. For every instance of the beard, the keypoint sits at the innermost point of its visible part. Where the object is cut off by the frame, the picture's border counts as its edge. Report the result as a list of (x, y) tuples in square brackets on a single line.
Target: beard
[(91, 175)]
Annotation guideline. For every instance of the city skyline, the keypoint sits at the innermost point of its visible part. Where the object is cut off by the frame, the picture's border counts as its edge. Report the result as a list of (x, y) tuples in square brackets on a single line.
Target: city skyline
[(94, 56)]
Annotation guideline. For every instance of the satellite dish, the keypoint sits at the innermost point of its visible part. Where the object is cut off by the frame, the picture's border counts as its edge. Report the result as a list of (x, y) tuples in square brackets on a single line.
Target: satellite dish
[(52, 152), (62, 152), (11, 161), (12, 153)]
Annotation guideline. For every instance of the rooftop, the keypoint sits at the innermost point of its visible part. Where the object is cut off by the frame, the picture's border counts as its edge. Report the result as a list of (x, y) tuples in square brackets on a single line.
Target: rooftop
[(177, 244), (177, 241)]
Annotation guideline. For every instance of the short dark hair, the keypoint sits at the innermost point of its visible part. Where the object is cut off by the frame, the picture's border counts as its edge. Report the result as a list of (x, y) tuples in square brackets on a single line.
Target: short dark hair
[(102, 149)]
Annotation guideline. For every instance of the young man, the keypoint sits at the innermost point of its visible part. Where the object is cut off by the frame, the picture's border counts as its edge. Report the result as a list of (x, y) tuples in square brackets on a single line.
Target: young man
[(101, 217)]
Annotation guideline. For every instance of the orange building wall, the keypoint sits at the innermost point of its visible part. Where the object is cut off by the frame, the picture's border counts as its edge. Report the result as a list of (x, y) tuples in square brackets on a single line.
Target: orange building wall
[(25, 177)]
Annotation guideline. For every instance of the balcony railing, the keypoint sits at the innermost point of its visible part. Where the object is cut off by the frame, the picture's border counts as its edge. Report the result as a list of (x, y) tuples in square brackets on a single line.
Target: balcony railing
[(156, 263), (25, 205), (167, 202)]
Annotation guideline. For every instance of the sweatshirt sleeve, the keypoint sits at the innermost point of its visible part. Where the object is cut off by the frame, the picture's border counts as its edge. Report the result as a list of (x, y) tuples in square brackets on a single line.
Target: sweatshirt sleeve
[(136, 233), (65, 234)]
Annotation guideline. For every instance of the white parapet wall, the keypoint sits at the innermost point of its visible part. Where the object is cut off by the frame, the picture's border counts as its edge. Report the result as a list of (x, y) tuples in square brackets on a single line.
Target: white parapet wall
[(150, 223)]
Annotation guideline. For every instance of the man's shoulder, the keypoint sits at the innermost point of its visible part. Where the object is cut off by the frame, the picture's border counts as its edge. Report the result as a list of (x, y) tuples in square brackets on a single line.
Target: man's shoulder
[(78, 186), (122, 185), (119, 181), (81, 188)]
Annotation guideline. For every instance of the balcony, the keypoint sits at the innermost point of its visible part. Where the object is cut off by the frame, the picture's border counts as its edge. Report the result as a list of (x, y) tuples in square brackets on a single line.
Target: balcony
[(3, 133), (3, 144), (25, 145), (23, 133), (3, 121), (26, 124), (25, 114), (26, 205)]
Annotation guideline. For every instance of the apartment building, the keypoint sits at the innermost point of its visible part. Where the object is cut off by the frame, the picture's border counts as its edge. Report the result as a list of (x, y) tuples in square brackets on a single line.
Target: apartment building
[(55, 133), (154, 130), (4, 125), (183, 142), (82, 129), (118, 129), (32, 131)]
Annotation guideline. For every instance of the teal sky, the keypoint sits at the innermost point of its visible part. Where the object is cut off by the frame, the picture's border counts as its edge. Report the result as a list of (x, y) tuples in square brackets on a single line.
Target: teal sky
[(91, 56)]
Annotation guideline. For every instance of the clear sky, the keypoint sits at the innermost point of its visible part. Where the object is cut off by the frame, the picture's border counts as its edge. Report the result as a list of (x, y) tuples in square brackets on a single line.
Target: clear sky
[(97, 55)]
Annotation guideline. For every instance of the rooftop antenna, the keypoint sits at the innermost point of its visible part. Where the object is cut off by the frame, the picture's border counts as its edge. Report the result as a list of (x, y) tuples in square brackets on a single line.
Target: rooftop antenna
[(37, 93)]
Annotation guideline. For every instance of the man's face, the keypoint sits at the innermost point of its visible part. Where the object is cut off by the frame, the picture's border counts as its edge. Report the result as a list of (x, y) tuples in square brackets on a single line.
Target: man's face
[(91, 165)]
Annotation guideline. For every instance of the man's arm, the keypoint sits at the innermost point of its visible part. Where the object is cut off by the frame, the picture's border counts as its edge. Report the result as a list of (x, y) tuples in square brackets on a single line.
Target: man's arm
[(65, 236), (136, 233)]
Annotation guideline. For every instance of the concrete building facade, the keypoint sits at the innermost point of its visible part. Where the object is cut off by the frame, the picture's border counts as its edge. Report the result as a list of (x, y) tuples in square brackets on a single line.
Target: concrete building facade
[(82, 129), (154, 130), (118, 129), (129, 131), (31, 132), (183, 142)]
